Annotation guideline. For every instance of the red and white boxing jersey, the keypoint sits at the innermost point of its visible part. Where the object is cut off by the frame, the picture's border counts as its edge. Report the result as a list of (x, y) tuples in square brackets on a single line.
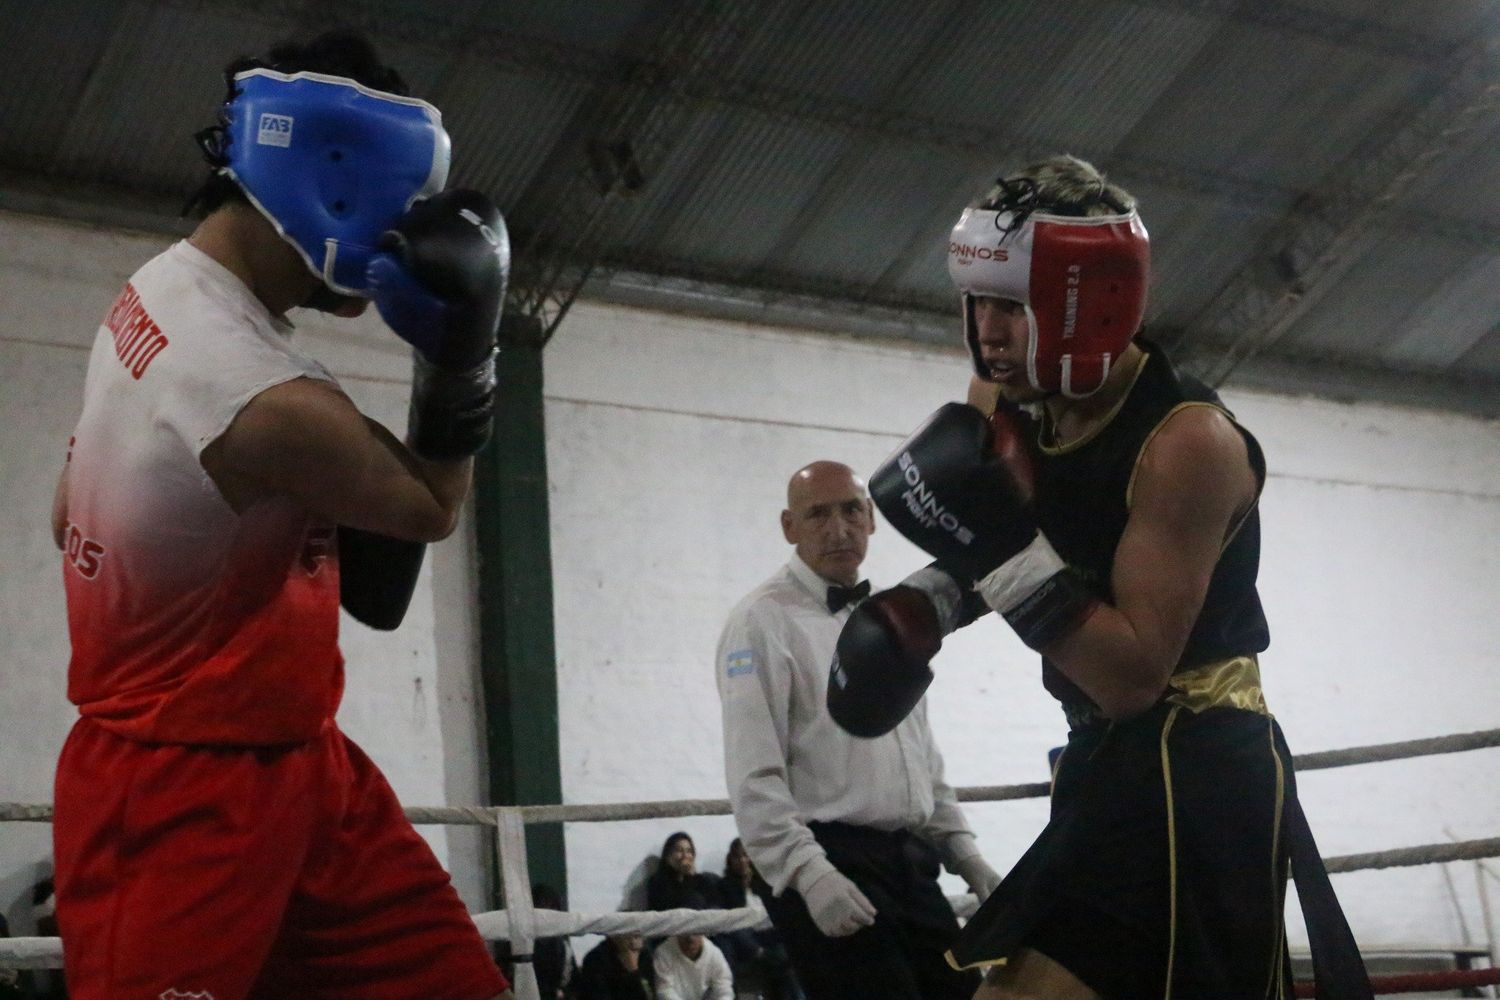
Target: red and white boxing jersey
[(190, 623)]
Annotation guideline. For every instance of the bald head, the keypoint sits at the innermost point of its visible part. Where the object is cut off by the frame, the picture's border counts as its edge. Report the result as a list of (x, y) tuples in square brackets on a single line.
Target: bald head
[(817, 476), (829, 519)]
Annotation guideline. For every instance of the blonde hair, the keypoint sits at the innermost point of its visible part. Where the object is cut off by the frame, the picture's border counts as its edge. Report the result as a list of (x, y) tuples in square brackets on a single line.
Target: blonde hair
[(1063, 185)]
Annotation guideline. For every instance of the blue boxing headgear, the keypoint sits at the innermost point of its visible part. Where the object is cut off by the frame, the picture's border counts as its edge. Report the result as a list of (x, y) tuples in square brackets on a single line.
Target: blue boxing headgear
[(331, 163)]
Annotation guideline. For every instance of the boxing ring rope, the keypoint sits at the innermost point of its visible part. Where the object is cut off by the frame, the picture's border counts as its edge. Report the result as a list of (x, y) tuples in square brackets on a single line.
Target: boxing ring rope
[(673, 808), (1421, 982), (522, 924)]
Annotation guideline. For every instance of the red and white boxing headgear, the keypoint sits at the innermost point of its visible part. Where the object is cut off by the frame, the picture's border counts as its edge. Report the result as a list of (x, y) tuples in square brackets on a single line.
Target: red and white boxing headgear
[(1082, 281)]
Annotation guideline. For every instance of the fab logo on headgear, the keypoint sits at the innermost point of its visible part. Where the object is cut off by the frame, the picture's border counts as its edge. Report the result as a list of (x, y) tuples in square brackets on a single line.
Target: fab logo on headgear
[(331, 163)]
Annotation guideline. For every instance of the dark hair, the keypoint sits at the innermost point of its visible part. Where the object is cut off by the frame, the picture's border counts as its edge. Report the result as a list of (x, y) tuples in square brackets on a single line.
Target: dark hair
[(547, 897), (666, 848), (339, 52)]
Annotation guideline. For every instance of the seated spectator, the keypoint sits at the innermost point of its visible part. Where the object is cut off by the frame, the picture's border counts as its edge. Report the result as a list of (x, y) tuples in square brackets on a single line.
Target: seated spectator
[(691, 967), (46, 984), (10, 979), (618, 968), (756, 957), (678, 877), (552, 957)]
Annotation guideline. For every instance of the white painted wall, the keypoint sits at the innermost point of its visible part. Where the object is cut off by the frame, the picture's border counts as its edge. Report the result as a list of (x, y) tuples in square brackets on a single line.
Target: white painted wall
[(670, 440)]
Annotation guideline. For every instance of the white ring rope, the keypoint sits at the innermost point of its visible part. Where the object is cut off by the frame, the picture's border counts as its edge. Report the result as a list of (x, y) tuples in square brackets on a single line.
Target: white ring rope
[(31, 953), (22, 812), (499, 925), (493, 925), (1405, 857), (521, 923)]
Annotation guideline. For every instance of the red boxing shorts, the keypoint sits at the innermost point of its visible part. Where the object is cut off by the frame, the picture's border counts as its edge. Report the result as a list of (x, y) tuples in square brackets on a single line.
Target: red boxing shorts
[(222, 873)]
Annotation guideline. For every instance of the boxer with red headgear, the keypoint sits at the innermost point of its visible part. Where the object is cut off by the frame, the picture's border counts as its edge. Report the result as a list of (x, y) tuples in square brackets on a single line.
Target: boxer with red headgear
[(1106, 507), (1080, 282)]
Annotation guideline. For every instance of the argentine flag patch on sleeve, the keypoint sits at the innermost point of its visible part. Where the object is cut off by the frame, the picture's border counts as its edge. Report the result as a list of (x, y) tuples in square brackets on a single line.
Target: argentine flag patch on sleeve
[(739, 662)]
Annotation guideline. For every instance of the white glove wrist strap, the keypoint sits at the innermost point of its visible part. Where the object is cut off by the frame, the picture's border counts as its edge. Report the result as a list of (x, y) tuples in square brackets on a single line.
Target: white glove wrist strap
[(1019, 576), (944, 593), (811, 871)]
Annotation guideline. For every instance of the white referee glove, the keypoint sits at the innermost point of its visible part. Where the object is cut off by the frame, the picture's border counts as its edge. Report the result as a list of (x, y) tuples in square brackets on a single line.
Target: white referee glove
[(836, 904), (977, 873), (980, 877)]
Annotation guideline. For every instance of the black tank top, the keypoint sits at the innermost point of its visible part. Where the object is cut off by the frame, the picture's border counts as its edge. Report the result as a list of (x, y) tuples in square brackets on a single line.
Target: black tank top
[(1081, 506)]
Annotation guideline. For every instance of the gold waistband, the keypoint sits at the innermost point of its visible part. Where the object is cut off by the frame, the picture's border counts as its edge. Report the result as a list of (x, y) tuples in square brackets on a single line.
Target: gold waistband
[(1231, 683)]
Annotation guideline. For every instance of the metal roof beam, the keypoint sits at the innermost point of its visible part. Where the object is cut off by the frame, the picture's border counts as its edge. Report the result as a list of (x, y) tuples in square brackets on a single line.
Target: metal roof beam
[(1318, 241), (1325, 26), (834, 182), (710, 87), (432, 26), (980, 144), (632, 126), (770, 286)]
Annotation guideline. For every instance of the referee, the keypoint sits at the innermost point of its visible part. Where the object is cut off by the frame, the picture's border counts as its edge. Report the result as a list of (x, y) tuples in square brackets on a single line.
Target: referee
[(850, 856)]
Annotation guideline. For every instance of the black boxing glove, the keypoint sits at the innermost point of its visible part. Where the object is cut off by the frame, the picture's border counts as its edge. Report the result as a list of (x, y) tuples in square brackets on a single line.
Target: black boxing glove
[(377, 576), (439, 283), (946, 490), (960, 488), (880, 665)]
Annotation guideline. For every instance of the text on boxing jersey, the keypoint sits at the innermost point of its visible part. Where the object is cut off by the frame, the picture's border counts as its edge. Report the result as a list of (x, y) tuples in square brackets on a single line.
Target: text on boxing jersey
[(138, 340), (83, 554)]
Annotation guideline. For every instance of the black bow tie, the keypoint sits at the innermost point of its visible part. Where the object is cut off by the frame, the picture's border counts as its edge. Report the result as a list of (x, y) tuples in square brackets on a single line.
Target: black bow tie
[(838, 596)]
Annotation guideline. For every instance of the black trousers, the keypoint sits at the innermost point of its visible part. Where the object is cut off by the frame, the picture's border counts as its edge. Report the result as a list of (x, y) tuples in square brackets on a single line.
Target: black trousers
[(901, 956)]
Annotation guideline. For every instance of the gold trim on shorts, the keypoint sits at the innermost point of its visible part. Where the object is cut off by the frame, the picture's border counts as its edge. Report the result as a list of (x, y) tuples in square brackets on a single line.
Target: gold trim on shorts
[(1166, 780), (1231, 683), (1278, 876)]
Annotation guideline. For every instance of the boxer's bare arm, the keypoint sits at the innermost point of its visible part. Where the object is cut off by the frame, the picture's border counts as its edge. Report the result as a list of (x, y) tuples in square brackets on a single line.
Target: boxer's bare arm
[(1193, 485), (306, 440), (1032, 974), (60, 509)]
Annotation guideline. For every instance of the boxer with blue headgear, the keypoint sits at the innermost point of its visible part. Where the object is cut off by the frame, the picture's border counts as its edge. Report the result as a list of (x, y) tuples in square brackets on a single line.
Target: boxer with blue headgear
[(233, 499), (332, 163), (351, 176)]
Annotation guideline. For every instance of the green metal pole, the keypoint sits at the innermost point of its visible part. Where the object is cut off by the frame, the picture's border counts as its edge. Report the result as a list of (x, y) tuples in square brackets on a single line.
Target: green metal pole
[(518, 662)]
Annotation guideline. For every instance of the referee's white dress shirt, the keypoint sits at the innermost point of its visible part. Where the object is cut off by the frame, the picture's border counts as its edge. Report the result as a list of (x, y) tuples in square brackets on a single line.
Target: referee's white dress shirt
[(785, 759)]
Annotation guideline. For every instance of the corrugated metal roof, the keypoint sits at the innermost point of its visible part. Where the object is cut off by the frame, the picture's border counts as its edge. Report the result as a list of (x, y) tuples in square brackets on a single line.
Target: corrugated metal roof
[(1324, 167)]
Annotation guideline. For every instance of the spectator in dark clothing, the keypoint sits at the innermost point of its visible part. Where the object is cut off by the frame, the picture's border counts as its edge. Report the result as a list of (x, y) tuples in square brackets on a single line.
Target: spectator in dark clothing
[(618, 968), (757, 957), (45, 984), (10, 979), (677, 878), (552, 958)]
